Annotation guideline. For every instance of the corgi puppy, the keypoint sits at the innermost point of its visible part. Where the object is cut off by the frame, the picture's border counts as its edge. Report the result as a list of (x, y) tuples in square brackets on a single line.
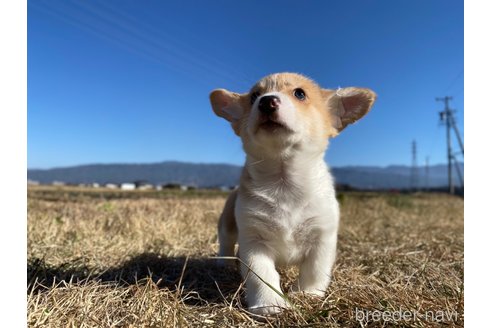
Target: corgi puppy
[(285, 211)]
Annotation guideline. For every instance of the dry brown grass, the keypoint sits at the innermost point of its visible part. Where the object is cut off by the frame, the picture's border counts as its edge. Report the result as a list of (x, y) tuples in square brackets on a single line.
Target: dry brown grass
[(137, 259)]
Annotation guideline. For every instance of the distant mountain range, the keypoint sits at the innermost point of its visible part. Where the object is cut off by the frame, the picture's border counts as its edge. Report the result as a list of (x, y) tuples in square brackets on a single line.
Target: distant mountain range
[(214, 175)]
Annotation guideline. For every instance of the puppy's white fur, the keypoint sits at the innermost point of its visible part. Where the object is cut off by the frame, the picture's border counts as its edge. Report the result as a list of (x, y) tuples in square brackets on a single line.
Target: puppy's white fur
[(285, 211)]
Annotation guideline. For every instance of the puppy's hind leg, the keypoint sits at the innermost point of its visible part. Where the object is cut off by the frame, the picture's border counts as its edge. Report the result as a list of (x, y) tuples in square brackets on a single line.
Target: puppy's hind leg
[(227, 229)]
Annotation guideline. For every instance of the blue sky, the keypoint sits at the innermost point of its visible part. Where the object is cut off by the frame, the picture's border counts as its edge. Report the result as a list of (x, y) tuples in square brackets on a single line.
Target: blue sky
[(128, 81)]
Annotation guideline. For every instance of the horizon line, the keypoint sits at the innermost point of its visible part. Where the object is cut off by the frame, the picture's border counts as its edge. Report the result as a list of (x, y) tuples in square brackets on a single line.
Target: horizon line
[(218, 163)]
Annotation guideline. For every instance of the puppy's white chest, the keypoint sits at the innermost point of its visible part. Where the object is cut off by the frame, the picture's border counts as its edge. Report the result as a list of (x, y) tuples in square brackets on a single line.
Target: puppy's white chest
[(289, 226)]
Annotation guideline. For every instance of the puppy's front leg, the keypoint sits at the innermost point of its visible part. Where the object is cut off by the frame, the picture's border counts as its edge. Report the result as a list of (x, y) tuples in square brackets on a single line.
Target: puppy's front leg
[(315, 271), (261, 298)]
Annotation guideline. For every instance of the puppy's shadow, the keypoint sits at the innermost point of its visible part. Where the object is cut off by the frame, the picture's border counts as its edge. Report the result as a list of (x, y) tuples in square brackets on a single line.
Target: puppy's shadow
[(203, 277)]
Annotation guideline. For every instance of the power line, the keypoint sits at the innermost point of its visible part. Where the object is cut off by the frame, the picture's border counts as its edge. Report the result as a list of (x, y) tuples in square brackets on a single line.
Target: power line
[(453, 82)]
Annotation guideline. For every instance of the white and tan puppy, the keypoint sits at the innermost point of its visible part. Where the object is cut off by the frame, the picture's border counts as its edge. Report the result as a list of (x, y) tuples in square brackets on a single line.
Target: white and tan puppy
[(285, 211)]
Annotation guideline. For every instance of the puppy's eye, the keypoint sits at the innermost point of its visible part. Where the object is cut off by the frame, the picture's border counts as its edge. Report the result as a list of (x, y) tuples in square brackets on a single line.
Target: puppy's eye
[(299, 94), (254, 96)]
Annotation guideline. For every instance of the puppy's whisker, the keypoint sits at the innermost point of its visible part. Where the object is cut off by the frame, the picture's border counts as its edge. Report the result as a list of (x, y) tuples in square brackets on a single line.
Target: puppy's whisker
[(257, 162)]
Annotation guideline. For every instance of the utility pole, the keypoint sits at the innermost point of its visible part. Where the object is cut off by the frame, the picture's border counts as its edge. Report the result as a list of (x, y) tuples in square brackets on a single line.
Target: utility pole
[(414, 173), (453, 123), (447, 116)]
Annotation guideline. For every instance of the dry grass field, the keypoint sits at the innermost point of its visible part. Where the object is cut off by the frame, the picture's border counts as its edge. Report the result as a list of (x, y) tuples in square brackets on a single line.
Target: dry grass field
[(144, 259)]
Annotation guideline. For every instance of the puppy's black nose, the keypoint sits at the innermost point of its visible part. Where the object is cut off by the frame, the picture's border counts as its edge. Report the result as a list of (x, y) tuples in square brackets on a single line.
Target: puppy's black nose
[(268, 104)]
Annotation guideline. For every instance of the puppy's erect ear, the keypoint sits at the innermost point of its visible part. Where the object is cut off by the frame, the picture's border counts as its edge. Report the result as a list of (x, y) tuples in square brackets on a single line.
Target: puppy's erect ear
[(227, 105), (348, 105)]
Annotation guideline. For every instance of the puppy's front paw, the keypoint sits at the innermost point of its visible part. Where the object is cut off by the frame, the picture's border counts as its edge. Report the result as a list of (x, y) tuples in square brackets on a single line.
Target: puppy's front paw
[(269, 309), (309, 291), (265, 310), (315, 293)]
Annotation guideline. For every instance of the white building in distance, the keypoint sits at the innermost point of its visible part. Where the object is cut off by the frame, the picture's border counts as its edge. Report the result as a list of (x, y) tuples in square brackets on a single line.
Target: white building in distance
[(128, 186)]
